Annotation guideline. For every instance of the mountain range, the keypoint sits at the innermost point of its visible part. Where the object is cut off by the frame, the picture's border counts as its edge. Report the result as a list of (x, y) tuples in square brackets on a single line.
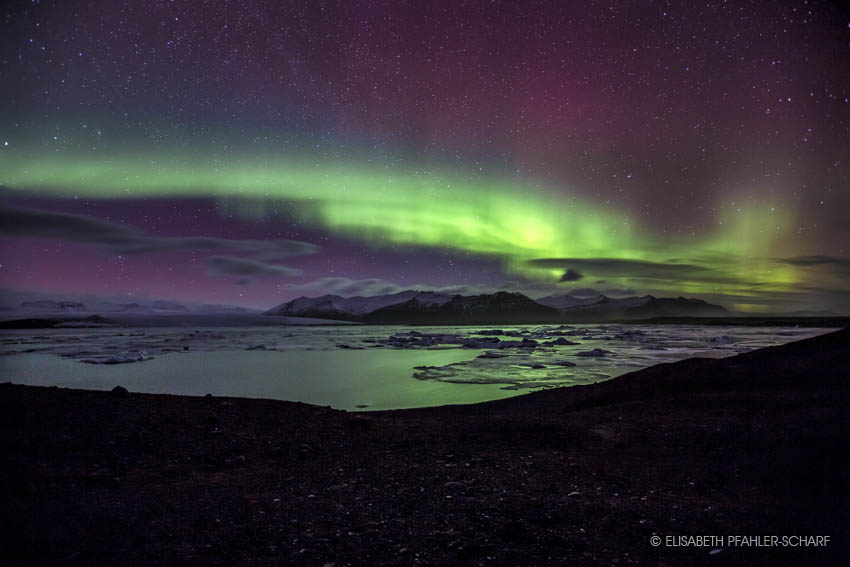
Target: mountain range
[(423, 308), (158, 307), (433, 308), (51, 305)]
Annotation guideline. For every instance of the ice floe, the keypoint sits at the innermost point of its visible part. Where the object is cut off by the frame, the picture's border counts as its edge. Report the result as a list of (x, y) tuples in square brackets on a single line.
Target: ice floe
[(520, 357)]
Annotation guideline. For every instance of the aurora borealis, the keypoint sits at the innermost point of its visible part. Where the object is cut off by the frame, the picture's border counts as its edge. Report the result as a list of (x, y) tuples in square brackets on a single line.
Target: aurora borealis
[(246, 153)]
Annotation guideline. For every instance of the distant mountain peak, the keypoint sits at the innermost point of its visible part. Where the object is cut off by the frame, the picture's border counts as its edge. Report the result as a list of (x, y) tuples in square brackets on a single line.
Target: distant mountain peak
[(429, 307), (52, 305)]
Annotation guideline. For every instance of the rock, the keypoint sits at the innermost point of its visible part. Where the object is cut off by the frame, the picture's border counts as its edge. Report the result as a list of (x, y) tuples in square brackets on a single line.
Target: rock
[(235, 462), (119, 391)]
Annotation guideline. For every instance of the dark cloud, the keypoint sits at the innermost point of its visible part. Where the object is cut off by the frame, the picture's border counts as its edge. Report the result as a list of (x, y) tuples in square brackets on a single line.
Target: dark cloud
[(119, 239), (570, 276), (837, 263), (245, 268), (798, 299), (32, 223), (268, 248), (615, 267)]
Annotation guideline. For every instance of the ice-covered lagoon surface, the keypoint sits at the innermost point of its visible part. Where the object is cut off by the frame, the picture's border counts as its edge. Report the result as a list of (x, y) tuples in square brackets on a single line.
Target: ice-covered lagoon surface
[(357, 367)]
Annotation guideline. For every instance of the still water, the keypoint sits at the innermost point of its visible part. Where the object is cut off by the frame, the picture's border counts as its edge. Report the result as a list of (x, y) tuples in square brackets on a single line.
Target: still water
[(362, 367)]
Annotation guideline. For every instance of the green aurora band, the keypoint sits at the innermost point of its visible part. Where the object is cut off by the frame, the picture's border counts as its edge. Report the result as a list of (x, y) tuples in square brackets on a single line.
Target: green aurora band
[(514, 219)]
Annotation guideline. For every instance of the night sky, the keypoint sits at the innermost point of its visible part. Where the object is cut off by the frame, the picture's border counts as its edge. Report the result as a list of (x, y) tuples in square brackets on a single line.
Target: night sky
[(250, 152)]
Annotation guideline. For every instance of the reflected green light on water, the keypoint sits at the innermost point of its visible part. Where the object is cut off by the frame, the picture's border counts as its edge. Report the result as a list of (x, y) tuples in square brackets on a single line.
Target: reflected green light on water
[(342, 379)]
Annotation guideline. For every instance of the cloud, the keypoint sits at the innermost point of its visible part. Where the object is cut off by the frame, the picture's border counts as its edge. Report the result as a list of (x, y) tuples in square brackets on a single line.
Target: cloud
[(349, 287), (33, 223), (615, 267), (570, 276), (119, 239), (839, 264), (268, 248), (245, 268), (584, 292), (376, 286)]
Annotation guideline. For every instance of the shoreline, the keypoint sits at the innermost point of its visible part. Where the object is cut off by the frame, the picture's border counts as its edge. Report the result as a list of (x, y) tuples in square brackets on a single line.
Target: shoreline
[(753, 444)]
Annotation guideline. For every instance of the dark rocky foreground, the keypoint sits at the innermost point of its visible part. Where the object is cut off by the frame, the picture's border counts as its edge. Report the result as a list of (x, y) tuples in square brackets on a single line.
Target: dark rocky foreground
[(751, 445)]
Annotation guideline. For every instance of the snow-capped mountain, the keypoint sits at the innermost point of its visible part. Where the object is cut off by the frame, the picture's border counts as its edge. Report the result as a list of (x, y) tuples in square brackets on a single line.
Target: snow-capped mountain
[(602, 307), (500, 307), (422, 307), (53, 306), (168, 307), (134, 308)]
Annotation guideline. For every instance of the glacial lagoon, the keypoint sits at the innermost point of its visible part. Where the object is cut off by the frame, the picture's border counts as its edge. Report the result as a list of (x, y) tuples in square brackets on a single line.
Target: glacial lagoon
[(363, 367)]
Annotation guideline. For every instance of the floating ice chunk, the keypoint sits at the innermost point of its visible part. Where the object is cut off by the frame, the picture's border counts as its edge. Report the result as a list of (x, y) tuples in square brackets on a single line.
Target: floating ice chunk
[(480, 343), (594, 352), (631, 335), (524, 343), (560, 341), (415, 339), (498, 332), (140, 356)]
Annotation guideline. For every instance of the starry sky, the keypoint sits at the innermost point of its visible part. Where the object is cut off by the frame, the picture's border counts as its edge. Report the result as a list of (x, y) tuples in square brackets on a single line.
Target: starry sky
[(250, 152)]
